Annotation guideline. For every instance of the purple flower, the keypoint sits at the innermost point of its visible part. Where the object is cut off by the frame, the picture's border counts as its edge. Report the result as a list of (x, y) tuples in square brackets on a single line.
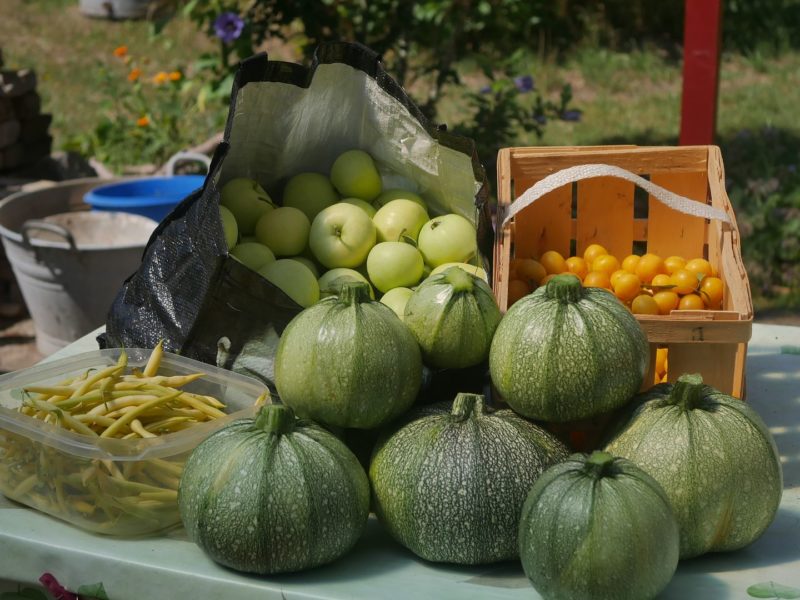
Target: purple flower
[(540, 119), (56, 589), (571, 115), (487, 89), (228, 26), (524, 83)]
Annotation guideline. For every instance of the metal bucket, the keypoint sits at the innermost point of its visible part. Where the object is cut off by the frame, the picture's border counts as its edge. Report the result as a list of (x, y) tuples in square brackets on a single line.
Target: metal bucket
[(69, 261)]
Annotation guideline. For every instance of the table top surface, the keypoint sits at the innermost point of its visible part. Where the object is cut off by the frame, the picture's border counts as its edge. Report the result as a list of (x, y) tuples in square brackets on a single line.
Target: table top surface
[(33, 543)]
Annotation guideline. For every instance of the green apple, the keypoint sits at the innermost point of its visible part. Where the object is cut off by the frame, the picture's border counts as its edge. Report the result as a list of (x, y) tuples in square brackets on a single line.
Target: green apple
[(331, 281), (399, 218), (310, 192), (342, 236), (449, 238), (365, 206), (309, 263), (229, 227), (398, 194), (354, 174), (394, 264), (396, 299), (247, 200), (253, 255), (294, 278), (284, 230), (471, 269)]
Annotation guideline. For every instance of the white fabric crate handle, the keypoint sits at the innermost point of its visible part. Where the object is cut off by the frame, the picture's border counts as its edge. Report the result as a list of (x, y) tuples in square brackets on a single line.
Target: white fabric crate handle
[(573, 174)]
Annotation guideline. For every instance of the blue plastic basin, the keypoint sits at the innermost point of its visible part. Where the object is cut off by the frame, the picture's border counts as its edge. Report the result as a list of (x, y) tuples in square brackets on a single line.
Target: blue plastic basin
[(152, 197)]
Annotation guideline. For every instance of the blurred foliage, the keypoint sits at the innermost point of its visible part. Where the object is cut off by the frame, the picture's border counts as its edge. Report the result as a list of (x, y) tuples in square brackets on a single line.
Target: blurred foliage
[(763, 180), (422, 45), (143, 116)]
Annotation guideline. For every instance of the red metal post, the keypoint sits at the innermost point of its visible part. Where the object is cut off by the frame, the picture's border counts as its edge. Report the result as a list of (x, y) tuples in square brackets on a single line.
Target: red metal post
[(701, 48)]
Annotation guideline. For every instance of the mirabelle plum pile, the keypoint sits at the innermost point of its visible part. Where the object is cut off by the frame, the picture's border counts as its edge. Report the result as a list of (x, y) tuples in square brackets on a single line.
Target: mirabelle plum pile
[(647, 285)]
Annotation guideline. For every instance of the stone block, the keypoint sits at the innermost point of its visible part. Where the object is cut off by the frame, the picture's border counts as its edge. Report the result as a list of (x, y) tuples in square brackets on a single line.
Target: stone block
[(35, 129), (27, 106), (12, 157), (6, 109), (9, 132), (16, 83)]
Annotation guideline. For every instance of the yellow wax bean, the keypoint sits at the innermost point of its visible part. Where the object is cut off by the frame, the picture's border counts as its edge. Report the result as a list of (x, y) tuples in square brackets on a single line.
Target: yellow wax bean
[(136, 425), (128, 417), (202, 406), (166, 466), (123, 401), (163, 496), (262, 399), (165, 479), (154, 362), (105, 421), (166, 424), (63, 416), (83, 507), (25, 486), (209, 400), (97, 377), (45, 390)]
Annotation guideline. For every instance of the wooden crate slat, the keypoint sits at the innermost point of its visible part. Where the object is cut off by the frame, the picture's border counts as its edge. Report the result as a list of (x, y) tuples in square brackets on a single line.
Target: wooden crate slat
[(537, 165), (725, 243), (714, 364), (545, 225), (650, 375), (502, 250), (669, 232), (665, 330), (605, 215)]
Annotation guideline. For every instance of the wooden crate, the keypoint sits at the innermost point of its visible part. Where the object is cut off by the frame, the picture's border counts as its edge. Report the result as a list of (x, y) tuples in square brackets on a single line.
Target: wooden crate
[(601, 210)]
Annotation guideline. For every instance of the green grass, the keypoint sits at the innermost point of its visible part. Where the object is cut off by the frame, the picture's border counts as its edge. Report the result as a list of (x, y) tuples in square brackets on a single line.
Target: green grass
[(69, 51), (625, 97)]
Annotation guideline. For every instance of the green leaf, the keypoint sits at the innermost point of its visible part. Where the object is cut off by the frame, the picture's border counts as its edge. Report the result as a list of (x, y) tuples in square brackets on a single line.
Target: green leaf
[(93, 590), (189, 7), (770, 589)]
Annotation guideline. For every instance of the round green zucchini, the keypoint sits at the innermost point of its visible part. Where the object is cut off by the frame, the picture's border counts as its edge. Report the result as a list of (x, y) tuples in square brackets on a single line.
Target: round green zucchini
[(273, 494)]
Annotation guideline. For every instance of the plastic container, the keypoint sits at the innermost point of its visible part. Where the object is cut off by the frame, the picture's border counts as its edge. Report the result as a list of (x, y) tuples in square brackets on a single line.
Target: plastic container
[(152, 197), (108, 486)]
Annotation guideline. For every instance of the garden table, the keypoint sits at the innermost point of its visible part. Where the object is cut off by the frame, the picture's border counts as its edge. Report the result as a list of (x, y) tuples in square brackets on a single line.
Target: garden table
[(172, 567)]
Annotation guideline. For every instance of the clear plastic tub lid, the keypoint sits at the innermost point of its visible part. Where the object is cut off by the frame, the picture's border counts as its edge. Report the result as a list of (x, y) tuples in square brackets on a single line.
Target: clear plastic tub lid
[(237, 392)]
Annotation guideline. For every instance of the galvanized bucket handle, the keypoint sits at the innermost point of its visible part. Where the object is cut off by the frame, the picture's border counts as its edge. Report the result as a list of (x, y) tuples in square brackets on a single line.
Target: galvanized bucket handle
[(579, 172), (179, 157), (46, 226)]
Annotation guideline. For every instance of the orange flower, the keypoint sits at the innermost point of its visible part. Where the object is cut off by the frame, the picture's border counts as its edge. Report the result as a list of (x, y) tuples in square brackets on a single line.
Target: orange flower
[(143, 121), (161, 77), (135, 73), (175, 76), (121, 51)]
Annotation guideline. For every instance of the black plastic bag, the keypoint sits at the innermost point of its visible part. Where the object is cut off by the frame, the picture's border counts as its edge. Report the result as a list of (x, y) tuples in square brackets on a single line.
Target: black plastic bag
[(284, 118)]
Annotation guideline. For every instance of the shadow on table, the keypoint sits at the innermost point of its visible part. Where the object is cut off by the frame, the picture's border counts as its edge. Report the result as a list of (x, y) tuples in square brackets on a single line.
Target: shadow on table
[(501, 575), (373, 555), (773, 390)]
